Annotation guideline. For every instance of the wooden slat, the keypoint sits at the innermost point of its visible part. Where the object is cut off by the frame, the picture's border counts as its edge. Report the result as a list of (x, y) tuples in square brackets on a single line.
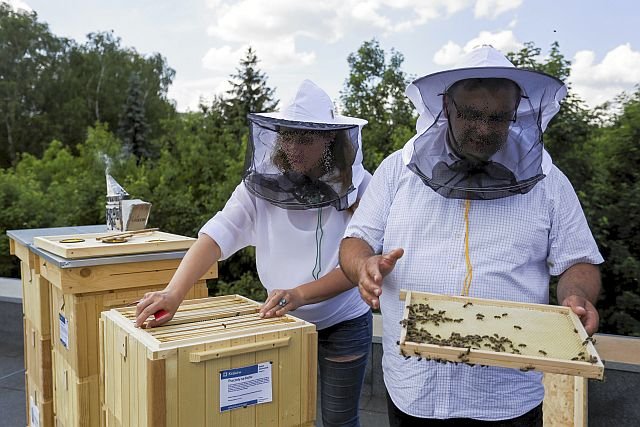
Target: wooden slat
[(309, 373), (267, 414), (191, 386), (243, 416), (565, 401), (239, 349), (214, 418), (288, 387), (156, 393)]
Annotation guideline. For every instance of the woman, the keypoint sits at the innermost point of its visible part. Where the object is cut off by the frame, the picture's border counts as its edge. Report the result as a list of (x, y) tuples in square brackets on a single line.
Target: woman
[(303, 178)]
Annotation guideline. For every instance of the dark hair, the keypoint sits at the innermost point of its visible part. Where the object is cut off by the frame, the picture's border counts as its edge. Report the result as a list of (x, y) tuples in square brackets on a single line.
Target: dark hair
[(342, 154), (492, 84)]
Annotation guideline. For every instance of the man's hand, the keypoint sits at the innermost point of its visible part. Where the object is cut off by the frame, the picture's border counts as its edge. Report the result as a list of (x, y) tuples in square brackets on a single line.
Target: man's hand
[(578, 288), (371, 273), (586, 312)]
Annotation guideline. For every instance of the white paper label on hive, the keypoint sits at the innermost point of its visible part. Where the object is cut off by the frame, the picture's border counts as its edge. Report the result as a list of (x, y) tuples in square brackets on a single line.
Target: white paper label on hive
[(64, 331), (34, 413), (247, 386)]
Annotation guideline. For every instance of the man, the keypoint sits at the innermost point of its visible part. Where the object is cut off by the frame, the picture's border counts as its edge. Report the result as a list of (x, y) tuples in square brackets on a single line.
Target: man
[(472, 205)]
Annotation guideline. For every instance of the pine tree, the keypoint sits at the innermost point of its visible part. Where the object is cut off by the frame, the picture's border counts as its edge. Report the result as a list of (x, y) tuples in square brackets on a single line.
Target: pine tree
[(133, 127), (249, 92)]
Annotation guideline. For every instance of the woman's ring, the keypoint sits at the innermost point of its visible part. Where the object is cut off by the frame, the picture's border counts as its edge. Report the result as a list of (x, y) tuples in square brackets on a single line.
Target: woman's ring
[(283, 301)]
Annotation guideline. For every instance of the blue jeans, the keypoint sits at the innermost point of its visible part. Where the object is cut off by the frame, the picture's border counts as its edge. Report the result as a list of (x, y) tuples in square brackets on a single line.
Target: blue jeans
[(341, 381)]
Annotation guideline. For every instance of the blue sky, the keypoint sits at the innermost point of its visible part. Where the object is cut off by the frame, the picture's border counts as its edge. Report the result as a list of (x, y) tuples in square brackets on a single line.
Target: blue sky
[(203, 40)]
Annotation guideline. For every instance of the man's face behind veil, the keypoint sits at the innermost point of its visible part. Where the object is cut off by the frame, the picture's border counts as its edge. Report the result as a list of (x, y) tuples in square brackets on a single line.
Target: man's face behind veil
[(480, 120)]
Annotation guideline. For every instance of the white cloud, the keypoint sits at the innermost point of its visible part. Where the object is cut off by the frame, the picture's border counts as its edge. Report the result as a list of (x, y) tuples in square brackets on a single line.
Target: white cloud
[(599, 82), (451, 53), (189, 93), (273, 54), (18, 5), (223, 58), (448, 54), (278, 25), (493, 8)]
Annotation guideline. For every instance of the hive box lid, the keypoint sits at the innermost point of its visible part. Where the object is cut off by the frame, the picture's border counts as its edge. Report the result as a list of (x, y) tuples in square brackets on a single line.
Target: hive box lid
[(497, 333), (87, 246)]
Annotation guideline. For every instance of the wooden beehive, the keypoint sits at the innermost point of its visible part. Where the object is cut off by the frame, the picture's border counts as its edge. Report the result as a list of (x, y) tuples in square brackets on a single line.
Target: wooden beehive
[(87, 246), (497, 333), (54, 293), (172, 375), (76, 339)]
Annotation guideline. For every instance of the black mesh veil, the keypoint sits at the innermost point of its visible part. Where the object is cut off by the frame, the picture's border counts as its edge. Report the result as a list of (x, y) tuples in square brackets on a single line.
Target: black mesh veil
[(301, 165), (480, 130)]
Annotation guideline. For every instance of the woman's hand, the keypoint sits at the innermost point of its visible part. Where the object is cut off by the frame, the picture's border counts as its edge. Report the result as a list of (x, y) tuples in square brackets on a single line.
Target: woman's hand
[(281, 301), (151, 303)]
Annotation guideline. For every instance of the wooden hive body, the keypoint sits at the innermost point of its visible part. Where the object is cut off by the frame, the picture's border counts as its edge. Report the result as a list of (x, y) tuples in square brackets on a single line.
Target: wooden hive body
[(58, 375), (170, 376)]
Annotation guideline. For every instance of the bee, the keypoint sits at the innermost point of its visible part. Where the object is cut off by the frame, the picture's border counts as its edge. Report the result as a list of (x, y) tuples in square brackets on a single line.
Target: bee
[(497, 317), (468, 304), (542, 352), (522, 345), (517, 327), (505, 314), (527, 368)]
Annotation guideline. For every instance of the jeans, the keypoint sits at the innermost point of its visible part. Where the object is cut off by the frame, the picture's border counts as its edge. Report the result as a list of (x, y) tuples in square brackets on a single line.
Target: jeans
[(397, 418), (341, 381)]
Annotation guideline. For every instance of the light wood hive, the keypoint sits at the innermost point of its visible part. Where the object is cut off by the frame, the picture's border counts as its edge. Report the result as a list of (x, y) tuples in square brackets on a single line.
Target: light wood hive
[(547, 337), (58, 375), (170, 375)]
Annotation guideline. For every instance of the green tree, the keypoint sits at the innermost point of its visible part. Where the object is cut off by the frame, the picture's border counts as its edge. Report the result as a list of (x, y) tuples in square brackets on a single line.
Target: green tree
[(573, 126), (61, 188), (615, 210), (249, 92), (30, 61), (52, 88), (374, 91), (133, 128)]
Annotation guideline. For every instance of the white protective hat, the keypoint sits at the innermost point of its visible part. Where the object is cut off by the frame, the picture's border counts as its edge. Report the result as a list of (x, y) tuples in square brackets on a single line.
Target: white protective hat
[(310, 110)]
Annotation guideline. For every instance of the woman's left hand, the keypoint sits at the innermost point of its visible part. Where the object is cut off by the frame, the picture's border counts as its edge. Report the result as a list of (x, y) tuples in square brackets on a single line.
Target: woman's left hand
[(280, 302)]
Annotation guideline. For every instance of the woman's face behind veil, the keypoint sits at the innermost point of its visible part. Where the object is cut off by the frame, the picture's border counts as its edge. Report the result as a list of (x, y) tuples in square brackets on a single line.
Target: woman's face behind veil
[(306, 152)]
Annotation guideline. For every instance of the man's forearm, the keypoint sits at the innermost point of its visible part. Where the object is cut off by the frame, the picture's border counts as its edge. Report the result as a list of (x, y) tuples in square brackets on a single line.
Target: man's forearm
[(582, 280), (353, 253)]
